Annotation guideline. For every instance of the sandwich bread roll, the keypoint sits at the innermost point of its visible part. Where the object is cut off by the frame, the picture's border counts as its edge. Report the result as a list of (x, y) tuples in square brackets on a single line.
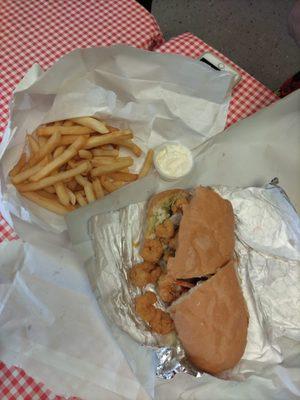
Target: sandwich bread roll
[(211, 321), (206, 236)]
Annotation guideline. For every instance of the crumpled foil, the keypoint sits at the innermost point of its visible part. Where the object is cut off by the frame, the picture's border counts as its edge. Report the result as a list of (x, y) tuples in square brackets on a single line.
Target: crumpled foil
[(268, 250)]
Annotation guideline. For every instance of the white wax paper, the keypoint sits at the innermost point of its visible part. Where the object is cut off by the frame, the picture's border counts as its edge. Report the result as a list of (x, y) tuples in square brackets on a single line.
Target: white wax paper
[(155, 95), (50, 325)]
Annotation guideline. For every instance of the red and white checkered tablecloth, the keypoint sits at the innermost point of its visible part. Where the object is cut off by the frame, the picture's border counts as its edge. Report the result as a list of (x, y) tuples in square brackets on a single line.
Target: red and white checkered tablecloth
[(41, 31), (16, 385)]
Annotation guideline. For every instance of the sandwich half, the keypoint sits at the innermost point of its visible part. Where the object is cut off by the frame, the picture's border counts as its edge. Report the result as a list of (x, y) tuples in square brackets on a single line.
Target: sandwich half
[(211, 321), (205, 237)]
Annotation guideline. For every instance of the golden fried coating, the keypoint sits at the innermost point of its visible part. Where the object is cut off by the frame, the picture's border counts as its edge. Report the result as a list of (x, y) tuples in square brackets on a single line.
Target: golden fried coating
[(142, 274), (165, 230), (167, 289), (152, 250), (144, 306), (159, 321), (178, 205)]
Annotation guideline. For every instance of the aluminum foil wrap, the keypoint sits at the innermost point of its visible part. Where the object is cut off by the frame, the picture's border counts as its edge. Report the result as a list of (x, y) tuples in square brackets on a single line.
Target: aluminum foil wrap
[(268, 249)]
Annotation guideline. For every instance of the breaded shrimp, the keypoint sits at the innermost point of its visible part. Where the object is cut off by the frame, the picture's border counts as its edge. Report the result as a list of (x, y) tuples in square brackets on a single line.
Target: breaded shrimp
[(144, 306), (178, 205), (165, 230), (159, 321), (142, 274), (152, 250), (167, 288)]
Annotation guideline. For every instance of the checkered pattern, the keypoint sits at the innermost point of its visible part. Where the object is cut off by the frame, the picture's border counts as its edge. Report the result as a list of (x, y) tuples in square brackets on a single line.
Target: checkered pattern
[(16, 385), (248, 96), (6, 232), (41, 31)]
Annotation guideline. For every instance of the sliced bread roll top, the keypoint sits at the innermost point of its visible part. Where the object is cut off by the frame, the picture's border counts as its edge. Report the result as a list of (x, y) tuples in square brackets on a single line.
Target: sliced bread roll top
[(206, 236), (212, 320)]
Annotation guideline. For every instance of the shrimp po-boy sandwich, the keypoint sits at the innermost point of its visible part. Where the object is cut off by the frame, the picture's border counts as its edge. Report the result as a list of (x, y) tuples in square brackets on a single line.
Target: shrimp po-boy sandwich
[(188, 253)]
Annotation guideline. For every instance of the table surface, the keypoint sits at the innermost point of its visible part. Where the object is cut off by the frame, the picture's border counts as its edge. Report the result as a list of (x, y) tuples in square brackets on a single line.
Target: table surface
[(41, 31)]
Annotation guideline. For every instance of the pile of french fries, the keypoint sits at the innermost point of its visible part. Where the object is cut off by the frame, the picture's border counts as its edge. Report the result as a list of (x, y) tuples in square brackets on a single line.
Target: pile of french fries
[(71, 163)]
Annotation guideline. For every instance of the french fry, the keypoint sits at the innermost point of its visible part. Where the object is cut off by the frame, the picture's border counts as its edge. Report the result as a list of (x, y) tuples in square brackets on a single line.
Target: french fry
[(81, 180), (114, 131), (123, 176), (62, 193), (89, 192), (57, 123), (85, 154), (109, 185), (96, 161), (51, 180), (51, 144), (91, 123), (109, 138), (27, 173), (68, 123), (98, 190), (74, 164), (80, 199), (33, 144), (112, 128), (18, 167), (49, 189), (66, 140), (50, 204), (72, 196), (147, 164), (105, 153), (63, 158), (87, 186), (42, 141), (106, 169), (131, 146), (58, 151), (64, 130), (46, 194)]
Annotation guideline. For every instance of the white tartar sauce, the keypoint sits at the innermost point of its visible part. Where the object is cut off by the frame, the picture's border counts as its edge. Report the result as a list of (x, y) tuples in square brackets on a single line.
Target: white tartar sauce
[(173, 160)]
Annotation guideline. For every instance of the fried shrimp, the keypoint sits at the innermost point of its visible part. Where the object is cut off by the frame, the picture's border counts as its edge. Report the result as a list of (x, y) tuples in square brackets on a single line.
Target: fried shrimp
[(152, 250), (159, 321), (165, 230), (142, 274), (178, 205), (167, 288), (144, 306)]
